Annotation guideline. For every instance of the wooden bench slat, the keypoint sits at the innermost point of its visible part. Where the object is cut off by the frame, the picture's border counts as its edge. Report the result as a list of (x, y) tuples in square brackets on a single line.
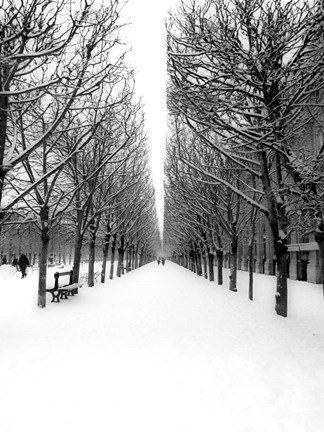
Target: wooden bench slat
[(69, 287), (64, 273)]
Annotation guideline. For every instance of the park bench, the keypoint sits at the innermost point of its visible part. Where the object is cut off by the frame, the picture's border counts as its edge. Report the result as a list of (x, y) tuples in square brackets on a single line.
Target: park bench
[(63, 291), (85, 276)]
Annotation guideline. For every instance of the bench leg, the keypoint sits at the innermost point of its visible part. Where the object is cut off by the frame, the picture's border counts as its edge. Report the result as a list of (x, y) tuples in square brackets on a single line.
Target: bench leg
[(55, 297)]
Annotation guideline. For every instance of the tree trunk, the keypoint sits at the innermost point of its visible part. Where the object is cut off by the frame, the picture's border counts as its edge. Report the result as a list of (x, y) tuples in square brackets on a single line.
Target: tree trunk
[(278, 222), (92, 248), (211, 266), (133, 255), (2, 177), (192, 262), (78, 240), (205, 264), (105, 250), (233, 258), (121, 250), (4, 104), (251, 259), (142, 261), (219, 254), (128, 260), (282, 288), (198, 262), (141, 257), (130, 264), (136, 257), (187, 260), (45, 239), (251, 247), (112, 257)]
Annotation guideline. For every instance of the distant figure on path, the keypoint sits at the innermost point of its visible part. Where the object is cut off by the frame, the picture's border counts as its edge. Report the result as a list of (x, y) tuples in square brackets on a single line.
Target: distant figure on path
[(163, 261), (4, 259), (158, 261), (23, 264)]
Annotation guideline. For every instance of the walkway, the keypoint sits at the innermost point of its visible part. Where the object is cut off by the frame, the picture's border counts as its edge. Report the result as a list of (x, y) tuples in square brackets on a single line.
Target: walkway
[(161, 350)]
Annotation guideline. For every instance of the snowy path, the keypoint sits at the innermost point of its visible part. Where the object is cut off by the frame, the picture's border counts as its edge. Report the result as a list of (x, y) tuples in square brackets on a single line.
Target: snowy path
[(162, 350)]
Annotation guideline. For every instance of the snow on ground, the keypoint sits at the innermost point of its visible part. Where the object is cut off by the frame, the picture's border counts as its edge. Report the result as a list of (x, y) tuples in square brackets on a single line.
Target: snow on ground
[(161, 350)]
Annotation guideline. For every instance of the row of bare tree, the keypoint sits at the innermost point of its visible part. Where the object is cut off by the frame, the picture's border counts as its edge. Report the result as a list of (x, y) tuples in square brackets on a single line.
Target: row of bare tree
[(246, 104), (73, 153)]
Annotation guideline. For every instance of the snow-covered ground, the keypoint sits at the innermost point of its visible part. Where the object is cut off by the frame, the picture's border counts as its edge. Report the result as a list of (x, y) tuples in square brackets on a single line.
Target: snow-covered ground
[(161, 350)]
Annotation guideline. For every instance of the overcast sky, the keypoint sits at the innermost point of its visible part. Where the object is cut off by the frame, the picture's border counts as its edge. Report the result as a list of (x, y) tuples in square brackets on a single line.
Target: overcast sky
[(147, 37)]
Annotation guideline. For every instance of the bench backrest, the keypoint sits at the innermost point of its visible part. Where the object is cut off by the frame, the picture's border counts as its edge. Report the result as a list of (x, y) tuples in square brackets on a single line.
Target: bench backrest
[(58, 274)]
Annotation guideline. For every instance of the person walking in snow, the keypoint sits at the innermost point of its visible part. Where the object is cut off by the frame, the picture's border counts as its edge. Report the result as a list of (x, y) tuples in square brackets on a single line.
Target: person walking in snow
[(158, 261), (163, 261), (23, 264)]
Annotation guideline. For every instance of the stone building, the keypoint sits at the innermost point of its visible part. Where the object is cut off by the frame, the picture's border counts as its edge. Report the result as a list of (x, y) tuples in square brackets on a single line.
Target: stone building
[(303, 251)]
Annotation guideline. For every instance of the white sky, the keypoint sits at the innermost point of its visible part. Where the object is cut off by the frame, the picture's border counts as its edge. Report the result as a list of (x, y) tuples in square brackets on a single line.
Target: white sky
[(147, 38)]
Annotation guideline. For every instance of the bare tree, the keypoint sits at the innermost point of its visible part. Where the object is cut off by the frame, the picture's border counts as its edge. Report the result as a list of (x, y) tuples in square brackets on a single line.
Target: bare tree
[(210, 208), (53, 56), (244, 72)]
